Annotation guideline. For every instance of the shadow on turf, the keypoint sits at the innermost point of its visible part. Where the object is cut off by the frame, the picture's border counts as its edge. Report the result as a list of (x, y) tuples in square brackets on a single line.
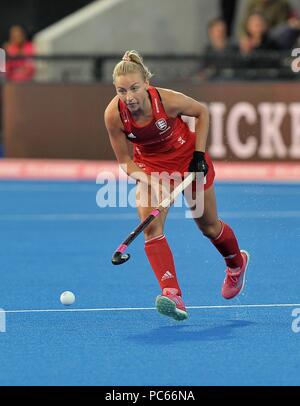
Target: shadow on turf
[(188, 332)]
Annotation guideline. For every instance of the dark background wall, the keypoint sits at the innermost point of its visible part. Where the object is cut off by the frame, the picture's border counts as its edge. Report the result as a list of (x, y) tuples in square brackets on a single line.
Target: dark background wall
[(66, 121), (34, 15)]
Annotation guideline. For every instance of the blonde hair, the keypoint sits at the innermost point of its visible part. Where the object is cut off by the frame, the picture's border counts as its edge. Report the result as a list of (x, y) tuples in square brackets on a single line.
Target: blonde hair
[(132, 62)]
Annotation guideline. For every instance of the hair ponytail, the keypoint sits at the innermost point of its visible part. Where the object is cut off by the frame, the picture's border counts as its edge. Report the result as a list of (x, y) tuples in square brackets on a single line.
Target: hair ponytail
[(132, 62)]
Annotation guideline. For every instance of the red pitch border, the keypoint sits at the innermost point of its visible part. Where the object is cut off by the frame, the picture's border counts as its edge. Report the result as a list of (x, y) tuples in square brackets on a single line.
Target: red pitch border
[(90, 170)]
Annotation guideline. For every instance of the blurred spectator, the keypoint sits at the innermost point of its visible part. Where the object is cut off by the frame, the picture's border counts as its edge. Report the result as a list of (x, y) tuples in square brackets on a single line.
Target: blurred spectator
[(256, 36), (218, 38), (275, 11), (283, 21), (19, 70), (286, 35), (257, 59), (218, 51)]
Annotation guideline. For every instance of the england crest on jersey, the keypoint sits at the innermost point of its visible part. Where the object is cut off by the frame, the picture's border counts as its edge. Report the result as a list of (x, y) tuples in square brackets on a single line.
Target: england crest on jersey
[(161, 124)]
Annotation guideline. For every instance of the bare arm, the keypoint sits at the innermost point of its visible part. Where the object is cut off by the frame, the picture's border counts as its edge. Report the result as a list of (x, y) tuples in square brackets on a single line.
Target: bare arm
[(119, 144), (179, 104)]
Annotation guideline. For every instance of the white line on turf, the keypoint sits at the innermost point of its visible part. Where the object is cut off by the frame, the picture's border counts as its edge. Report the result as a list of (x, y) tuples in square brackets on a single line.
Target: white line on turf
[(132, 216), (122, 309)]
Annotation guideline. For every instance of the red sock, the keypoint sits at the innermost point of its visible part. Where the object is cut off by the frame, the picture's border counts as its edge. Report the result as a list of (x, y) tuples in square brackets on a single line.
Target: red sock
[(226, 243), (161, 260)]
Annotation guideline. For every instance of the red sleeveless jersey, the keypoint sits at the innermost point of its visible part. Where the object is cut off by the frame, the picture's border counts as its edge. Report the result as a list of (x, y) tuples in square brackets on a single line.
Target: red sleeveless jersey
[(164, 144), (162, 134)]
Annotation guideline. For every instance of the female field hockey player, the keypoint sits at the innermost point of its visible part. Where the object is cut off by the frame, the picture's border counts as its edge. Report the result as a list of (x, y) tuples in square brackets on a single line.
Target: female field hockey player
[(151, 119)]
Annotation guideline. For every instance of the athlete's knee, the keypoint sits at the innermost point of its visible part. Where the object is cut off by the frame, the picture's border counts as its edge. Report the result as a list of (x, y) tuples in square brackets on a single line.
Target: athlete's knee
[(152, 231), (210, 230)]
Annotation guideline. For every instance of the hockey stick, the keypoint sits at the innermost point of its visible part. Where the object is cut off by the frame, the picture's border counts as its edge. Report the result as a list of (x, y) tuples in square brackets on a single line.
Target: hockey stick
[(119, 256)]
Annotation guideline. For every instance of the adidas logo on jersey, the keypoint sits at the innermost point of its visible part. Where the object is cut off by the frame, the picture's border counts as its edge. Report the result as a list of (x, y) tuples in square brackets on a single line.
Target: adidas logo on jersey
[(166, 276), (131, 136)]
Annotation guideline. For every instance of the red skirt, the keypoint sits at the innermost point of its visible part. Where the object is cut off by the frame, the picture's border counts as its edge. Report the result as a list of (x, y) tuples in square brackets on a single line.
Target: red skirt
[(174, 160)]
